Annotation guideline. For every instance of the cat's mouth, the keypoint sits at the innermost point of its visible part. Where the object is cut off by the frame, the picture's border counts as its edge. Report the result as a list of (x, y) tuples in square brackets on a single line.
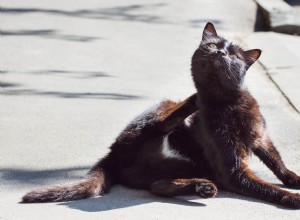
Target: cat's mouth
[(219, 62), (212, 60)]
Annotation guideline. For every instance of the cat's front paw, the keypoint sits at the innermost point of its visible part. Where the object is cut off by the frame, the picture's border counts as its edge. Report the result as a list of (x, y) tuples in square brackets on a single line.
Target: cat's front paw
[(205, 189), (292, 181)]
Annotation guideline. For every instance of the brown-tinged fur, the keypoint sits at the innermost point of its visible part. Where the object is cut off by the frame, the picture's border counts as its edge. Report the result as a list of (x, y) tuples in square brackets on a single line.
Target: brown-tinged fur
[(180, 148), (97, 182)]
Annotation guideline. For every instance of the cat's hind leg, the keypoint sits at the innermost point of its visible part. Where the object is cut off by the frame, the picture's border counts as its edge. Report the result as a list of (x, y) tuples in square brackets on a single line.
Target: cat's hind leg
[(178, 187), (170, 114), (161, 119)]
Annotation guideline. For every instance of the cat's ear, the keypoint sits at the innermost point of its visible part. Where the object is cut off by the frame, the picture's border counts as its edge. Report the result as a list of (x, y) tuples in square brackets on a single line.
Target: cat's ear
[(209, 30), (251, 56)]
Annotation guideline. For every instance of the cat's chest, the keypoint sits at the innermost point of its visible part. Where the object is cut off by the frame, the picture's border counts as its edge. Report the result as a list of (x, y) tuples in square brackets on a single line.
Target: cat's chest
[(222, 127)]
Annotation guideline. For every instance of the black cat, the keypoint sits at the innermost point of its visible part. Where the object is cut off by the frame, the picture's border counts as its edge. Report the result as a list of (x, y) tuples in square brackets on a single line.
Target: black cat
[(182, 148)]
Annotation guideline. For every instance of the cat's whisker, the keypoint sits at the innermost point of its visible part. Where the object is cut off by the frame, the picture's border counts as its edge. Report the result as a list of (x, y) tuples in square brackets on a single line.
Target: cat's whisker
[(205, 52), (232, 77), (231, 73), (200, 59)]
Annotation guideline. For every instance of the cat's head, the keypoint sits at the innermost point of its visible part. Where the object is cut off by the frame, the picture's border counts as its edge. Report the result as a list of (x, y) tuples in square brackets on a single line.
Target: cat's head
[(221, 61)]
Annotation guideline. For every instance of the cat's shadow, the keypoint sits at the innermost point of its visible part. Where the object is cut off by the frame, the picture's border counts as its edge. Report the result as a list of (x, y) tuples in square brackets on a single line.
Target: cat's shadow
[(121, 197)]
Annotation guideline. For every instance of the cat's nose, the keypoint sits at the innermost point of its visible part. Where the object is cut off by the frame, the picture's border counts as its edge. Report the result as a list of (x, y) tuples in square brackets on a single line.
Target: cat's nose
[(221, 53)]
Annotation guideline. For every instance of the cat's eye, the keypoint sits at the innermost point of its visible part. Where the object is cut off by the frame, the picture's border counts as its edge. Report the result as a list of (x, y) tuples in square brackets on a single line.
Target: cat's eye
[(213, 46), (233, 56)]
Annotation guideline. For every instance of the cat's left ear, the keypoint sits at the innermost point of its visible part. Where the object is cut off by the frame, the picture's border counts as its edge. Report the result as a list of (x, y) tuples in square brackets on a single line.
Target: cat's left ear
[(251, 56), (209, 31), (210, 28)]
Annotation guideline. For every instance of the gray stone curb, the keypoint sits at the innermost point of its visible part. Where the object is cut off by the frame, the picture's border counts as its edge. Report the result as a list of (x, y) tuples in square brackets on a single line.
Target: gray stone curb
[(279, 16)]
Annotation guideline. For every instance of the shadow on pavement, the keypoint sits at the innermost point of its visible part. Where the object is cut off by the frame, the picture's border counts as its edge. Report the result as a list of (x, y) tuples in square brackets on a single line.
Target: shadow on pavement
[(85, 74), (10, 90), (199, 23), (50, 34), (121, 13), (7, 84), (226, 194), (41, 177), (293, 2), (260, 24), (119, 197), (122, 197), (70, 95)]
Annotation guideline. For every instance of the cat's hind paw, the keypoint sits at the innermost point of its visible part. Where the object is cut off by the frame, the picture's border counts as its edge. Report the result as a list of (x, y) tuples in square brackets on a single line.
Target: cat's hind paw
[(206, 189)]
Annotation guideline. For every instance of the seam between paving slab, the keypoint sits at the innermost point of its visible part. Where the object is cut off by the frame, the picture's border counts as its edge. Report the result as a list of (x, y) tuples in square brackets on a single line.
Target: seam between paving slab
[(278, 87)]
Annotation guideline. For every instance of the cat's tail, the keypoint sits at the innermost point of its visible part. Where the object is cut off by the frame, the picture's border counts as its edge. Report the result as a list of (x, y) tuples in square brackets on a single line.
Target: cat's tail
[(98, 181)]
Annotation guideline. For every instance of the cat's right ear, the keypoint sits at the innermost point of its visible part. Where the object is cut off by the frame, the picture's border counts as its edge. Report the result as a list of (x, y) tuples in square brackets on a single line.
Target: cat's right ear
[(209, 30), (251, 56)]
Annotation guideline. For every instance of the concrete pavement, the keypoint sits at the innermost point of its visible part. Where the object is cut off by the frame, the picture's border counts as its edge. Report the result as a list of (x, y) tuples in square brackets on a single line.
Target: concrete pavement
[(281, 61), (73, 73)]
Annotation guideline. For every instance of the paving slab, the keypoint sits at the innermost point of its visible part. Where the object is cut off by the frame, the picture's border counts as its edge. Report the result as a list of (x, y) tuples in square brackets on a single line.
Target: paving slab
[(288, 82), (281, 60)]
